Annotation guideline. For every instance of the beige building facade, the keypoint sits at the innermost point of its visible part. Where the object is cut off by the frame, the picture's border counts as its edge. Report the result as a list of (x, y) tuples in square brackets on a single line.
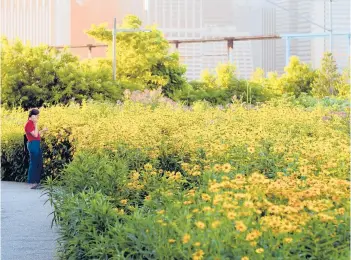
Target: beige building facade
[(63, 22)]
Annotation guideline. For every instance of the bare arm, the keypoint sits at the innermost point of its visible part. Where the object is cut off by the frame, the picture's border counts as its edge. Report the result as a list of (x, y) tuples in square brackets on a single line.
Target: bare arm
[(43, 131)]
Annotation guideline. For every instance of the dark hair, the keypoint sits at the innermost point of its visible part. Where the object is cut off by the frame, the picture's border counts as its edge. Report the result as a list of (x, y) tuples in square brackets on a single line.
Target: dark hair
[(33, 112)]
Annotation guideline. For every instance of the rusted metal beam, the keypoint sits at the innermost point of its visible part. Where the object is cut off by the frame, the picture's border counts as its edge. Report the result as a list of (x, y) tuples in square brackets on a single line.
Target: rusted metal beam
[(254, 38), (196, 40), (80, 46), (90, 46), (230, 46), (177, 42), (220, 39)]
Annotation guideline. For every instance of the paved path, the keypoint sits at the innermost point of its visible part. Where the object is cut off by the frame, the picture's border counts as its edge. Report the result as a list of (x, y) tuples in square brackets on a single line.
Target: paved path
[(26, 232)]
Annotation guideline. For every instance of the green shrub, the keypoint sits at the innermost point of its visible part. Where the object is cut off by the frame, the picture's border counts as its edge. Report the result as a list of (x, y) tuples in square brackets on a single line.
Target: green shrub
[(221, 88), (143, 58), (36, 76), (308, 101), (95, 225), (87, 224), (327, 78), (297, 78), (343, 85), (87, 203)]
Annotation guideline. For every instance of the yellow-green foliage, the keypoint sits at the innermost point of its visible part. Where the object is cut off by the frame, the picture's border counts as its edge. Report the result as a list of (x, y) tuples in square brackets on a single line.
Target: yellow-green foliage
[(33, 76), (343, 85), (214, 131), (300, 78), (327, 77), (143, 58), (223, 78), (296, 79), (264, 183)]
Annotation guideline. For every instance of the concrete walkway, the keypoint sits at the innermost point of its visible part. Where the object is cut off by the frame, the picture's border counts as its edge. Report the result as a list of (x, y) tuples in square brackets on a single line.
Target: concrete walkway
[(26, 232)]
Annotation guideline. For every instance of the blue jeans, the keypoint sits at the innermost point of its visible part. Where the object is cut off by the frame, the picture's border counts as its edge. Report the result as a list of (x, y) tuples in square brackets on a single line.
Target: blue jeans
[(35, 162)]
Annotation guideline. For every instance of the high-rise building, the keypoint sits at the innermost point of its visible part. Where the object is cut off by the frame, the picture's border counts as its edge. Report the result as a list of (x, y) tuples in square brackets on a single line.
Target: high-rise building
[(55, 22), (62, 22), (184, 19), (205, 19), (301, 16), (37, 21)]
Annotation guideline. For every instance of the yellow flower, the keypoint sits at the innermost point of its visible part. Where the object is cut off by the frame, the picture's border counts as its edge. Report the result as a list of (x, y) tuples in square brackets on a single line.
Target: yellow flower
[(171, 241), (253, 235), (248, 204), (195, 173), (186, 238), (231, 215), (280, 174), (239, 177), (121, 211), (217, 167), (225, 178), (215, 224), (160, 212), (251, 149), (205, 197), (196, 167), (341, 211), (226, 168), (200, 225), (135, 176), (289, 159), (259, 250), (303, 170), (245, 258), (253, 243), (198, 255), (325, 218), (240, 226), (124, 202), (148, 167), (207, 208), (185, 166), (288, 240), (197, 244), (178, 175), (187, 202)]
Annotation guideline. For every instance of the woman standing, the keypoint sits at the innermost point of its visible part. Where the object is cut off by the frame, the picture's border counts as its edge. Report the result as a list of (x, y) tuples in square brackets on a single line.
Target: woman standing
[(35, 155)]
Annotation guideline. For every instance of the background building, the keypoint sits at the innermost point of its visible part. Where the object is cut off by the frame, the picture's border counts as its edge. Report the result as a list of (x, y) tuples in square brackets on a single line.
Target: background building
[(63, 22)]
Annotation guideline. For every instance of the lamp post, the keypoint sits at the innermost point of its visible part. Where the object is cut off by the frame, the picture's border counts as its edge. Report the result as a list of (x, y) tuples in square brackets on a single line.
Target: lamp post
[(114, 41), (331, 25)]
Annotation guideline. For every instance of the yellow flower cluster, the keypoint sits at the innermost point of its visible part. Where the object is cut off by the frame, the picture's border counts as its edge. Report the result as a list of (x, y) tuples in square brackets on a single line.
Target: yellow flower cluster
[(294, 135), (242, 193)]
